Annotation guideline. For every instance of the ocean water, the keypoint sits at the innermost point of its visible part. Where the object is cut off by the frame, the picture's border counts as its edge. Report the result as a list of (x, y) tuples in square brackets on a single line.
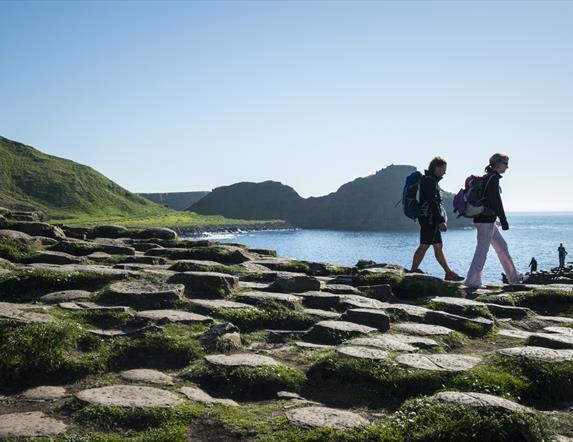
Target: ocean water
[(530, 234)]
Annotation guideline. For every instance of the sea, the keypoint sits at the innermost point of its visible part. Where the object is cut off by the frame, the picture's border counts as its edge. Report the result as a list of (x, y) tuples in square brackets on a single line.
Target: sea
[(530, 235)]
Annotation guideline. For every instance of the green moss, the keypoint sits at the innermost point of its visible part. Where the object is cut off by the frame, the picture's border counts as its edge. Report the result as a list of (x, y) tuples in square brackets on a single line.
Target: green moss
[(183, 266), (245, 382), (293, 266), (38, 349), (371, 382), (77, 248), (415, 286), (453, 340), (429, 420), (26, 285), (174, 346), (268, 315), (545, 301), (16, 251), (366, 277)]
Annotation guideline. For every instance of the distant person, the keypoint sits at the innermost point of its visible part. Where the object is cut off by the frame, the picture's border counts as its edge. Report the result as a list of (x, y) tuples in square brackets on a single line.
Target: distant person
[(562, 254), (533, 265), (433, 219), (487, 232)]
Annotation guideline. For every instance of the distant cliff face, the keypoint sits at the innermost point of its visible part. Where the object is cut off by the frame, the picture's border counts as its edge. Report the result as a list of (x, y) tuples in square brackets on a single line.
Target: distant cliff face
[(175, 200), (363, 204)]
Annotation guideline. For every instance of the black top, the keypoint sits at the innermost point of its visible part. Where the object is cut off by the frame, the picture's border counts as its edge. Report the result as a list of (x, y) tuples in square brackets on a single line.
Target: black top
[(562, 250), (493, 201), (430, 199)]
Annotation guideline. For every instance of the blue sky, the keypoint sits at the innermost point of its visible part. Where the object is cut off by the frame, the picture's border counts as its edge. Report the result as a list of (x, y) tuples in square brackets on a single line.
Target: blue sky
[(177, 96)]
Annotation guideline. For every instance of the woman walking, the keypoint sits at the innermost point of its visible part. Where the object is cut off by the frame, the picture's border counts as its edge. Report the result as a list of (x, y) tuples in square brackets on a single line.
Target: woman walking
[(487, 231)]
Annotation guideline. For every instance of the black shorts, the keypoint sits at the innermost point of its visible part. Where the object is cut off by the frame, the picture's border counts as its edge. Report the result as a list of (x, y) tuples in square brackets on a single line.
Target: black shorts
[(430, 233)]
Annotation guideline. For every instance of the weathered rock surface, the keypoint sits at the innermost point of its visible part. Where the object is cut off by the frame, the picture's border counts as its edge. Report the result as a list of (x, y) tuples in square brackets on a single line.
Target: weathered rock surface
[(421, 329), (128, 396), (438, 362), (317, 417), (383, 342), (294, 283), (362, 352), (65, 296), (30, 424), (538, 353), (471, 326), (257, 298), (198, 395), (22, 313), (166, 316), (371, 317), (480, 400), (143, 294), (206, 284), (336, 332), (146, 375), (241, 359), (44, 393)]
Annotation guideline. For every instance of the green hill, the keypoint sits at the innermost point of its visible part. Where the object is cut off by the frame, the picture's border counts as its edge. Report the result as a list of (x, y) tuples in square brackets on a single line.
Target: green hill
[(30, 179), (364, 204)]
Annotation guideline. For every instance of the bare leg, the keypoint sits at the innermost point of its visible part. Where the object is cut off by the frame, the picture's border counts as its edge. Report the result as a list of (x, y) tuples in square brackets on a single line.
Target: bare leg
[(441, 258), (419, 255)]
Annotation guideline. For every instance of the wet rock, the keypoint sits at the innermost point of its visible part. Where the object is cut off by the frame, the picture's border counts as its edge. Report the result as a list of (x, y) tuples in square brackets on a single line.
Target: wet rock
[(146, 375), (30, 424), (128, 396), (438, 362), (198, 395), (336, 332), (371, 317), (317, 417)]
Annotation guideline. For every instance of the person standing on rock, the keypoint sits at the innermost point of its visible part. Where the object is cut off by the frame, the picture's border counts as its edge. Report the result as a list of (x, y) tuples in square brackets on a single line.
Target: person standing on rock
[(562, 253), (487, 232), (433, 218), (533, 265)]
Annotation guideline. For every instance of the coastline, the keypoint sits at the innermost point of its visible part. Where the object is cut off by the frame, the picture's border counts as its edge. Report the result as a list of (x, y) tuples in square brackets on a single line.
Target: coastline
[(199, 231)]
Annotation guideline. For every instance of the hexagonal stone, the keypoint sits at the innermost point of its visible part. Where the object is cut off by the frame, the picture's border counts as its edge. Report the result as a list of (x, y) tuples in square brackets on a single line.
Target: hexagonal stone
[(143, 294), (323, 314), (551, 340), (383, 342), (356, 301), (166, 316), (127, 331), (241, 359), (471, 326), (212, 305), (421, 329), (557, 319), (371, 317), (480, 400), (416, 341), (128, 396), (362, 352), (316, 417), (207, 284), (294, 283), (438, 362), (44, 393), (146, 375), (30, 424), (83, 305), (257, 298), (22, 313), (336, 332), (457, 306), (517, 334), (311, 345), (560, 330), (65, 296), (407, 311), (508, 311), (320, 300), (198, 395), (538, 353), (341, 289)]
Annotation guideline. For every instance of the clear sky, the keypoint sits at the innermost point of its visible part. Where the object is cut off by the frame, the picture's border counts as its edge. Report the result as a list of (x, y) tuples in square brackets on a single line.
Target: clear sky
[(180, 96)]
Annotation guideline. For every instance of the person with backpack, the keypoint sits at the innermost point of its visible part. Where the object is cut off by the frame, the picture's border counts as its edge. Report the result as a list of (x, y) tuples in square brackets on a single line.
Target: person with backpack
[(432, 218), (487, 231), (562, 253)]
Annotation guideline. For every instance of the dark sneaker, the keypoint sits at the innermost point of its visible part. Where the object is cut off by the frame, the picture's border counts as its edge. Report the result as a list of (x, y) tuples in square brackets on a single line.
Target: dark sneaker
[(453, 276), (416, 271)]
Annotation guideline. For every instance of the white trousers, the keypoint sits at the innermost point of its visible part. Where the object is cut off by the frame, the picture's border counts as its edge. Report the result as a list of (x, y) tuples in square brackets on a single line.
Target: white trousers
[(488, 233)]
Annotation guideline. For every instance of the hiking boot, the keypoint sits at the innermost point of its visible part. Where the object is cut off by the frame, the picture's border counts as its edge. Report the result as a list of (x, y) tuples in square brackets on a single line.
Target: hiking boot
[(453, 276)]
